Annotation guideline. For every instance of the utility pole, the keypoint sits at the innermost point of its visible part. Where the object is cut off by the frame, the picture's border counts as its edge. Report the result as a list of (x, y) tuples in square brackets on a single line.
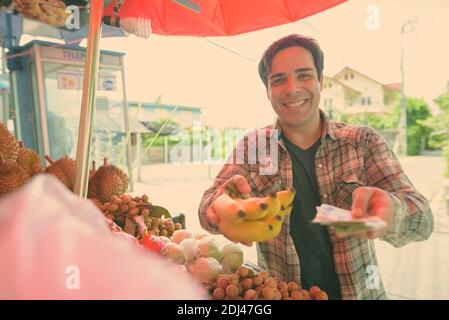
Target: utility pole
[(408, 26)]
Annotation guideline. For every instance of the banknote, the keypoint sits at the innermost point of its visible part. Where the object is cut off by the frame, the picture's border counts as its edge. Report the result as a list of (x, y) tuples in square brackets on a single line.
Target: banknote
[(343, 222)]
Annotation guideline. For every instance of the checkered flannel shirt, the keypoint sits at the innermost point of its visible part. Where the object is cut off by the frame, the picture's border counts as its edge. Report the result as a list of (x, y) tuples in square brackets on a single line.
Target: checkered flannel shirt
[(349, 156)]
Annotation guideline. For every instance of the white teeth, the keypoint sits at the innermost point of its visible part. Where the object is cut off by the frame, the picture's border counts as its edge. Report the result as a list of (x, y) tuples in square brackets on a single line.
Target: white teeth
[(296, 104)]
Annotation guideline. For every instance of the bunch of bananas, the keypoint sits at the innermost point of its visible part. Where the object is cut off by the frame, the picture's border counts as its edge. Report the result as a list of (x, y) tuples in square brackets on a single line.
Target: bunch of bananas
[(253, 219)]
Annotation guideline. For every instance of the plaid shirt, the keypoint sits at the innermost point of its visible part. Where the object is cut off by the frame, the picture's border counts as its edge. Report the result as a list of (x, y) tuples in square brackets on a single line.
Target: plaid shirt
[(349, 156)]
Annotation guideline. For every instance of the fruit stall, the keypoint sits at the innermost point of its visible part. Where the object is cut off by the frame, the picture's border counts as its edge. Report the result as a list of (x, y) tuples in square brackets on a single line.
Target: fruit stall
[(221, 271)]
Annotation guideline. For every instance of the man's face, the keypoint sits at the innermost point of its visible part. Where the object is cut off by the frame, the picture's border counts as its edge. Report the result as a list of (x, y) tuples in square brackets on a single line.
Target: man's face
[(294, 88)]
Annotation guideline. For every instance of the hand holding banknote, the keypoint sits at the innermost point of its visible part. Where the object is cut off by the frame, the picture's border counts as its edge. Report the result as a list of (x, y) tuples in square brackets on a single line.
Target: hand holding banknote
[(371, 213), (372, 202)]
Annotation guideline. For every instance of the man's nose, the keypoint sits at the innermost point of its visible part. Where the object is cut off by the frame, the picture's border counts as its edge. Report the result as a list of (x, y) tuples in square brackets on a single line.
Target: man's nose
[(292, 85)]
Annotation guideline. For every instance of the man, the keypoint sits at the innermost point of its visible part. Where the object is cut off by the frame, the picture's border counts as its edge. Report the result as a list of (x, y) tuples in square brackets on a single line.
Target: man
[(326, 162)]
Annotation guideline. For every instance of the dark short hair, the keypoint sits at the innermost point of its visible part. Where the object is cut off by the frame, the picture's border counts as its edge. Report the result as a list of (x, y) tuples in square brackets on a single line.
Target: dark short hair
[(292, 40)]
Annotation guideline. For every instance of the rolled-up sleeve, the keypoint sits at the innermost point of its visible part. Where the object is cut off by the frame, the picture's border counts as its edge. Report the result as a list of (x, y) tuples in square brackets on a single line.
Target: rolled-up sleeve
[(413, 218)]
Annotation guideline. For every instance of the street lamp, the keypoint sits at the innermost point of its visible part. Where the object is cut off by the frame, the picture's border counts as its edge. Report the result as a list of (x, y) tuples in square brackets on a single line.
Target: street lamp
[(406, 27)]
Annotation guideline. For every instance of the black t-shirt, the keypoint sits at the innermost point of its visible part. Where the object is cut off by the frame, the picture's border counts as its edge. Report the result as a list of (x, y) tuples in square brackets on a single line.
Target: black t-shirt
[(311, 240)]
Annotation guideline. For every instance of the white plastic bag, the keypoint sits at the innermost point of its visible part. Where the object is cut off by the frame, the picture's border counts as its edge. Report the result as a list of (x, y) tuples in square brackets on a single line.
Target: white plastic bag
[(54, 245)]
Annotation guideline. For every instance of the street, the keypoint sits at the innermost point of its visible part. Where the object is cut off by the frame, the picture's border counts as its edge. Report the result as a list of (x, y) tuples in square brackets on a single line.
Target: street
[(415, 271)]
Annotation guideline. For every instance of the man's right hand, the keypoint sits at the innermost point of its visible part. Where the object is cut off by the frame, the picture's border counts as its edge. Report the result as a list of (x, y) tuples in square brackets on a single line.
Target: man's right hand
[(235, 184)]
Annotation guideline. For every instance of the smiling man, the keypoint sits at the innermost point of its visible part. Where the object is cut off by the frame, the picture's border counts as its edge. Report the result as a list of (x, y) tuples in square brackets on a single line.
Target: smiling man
[(347, 166)]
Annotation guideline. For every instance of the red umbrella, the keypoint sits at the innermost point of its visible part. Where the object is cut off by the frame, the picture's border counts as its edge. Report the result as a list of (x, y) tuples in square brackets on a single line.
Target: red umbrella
[(178, 17), (219, 17)]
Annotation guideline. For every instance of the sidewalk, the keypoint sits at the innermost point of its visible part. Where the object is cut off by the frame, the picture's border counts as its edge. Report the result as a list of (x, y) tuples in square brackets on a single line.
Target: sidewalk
[(419, 270)]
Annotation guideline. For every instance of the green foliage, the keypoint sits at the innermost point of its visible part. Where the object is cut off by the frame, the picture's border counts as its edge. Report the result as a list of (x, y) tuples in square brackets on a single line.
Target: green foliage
[(384, 121), (418, 114), (158, 140), (414, 136), (441, 124), (437, 139), (167, 122), (148, 138), (443, 100), (418, 122)]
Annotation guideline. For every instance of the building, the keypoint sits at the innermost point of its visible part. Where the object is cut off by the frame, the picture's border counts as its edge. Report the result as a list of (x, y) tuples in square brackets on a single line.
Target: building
[(352, 92), (149, 112)]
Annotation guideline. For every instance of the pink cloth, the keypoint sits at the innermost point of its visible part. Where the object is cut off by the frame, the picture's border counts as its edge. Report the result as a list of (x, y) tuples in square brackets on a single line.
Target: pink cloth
[(54, 245)]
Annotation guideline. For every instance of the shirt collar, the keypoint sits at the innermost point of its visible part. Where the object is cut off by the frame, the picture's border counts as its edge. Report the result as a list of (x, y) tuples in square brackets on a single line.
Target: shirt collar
[(328, 127)]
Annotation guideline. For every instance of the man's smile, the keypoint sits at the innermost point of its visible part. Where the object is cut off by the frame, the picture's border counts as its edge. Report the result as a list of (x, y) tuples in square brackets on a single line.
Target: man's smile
[(295, 104)]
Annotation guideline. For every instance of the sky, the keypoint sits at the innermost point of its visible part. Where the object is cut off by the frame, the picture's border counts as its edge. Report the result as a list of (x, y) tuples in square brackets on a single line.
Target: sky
[(225, 85)]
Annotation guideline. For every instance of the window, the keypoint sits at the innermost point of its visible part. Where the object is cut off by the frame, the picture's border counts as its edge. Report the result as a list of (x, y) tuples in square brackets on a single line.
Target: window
[(368, 100), (346, 77), (352, 76), (363, 101)]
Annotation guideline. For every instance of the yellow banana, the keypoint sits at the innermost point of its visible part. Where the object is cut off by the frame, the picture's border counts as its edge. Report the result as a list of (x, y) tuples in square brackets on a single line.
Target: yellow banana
[(228, 209), (286, 198), (274, 205), (255, 208), (249, 231)]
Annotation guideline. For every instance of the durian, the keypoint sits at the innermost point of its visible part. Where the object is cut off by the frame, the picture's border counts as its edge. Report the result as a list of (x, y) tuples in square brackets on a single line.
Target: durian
[(92, 190), (64, 169), (109, 181), (29, 161), (9, 146), (12, 177)]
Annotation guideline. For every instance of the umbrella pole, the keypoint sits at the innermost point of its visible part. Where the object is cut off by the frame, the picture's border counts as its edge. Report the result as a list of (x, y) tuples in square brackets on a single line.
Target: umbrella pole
[(5, 105), (88, 99), (129, 158)]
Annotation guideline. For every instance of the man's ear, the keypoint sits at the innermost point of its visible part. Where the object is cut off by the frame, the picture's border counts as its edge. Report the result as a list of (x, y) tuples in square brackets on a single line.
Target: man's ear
[(321, 82), (268, 92)]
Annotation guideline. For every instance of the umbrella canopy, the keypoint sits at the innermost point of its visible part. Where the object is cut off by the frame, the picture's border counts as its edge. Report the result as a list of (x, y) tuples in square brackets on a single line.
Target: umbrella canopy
[(178, 17), (219, 17)]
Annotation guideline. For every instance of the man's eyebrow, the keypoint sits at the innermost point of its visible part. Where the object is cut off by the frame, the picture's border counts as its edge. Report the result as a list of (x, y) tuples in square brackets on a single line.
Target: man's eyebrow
[(280, 74)]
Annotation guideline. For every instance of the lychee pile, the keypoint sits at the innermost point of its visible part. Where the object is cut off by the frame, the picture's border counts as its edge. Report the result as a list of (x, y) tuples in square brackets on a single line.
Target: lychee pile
[(124, 210), (245, 284)]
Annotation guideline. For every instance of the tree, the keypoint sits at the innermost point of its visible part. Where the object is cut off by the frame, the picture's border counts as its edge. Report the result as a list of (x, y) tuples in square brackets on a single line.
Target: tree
[(443, 100), (440, 124), (417, 111), (418, 129), (376, 121)]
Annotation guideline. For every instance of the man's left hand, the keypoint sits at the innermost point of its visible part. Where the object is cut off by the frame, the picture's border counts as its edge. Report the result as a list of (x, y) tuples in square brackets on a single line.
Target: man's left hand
[(371, 201)]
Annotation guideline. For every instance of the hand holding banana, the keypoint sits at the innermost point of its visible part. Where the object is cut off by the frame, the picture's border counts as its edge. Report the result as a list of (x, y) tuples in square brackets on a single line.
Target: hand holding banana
[(244, 219)]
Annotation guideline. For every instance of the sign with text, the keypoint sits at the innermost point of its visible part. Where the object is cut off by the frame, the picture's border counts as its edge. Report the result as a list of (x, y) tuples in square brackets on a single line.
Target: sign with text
[(68, 80)]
